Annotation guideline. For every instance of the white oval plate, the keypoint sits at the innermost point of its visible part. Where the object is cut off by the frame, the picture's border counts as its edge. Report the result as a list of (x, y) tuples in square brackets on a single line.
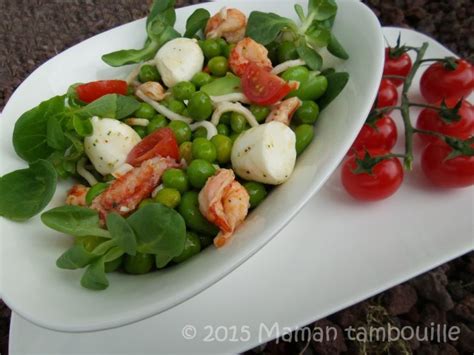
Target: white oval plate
[(37, 290)]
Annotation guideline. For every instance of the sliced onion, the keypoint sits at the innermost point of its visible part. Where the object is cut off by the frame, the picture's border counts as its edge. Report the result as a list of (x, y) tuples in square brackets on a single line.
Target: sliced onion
[(137, 122), (224, 107), (210, 128), (82, 171), (155, 191), (162, 109), (122, 170), (234, 97), (280, 68)]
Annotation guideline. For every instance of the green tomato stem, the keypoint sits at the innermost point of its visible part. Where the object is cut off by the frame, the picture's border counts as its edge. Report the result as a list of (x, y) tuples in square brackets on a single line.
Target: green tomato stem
[(414, 104)]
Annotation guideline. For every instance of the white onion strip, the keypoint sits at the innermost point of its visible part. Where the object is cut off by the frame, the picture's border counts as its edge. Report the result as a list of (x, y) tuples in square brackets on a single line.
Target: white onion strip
[(224, 107), (280, 68), (210, 128), (131, 78), (122, 170), (137, 122), (162, 109), (234, 97), (156, 190), (81, 170)]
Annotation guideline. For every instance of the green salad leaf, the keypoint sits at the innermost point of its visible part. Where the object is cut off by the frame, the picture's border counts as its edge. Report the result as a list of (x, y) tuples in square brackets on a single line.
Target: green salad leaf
[(122, 233), (321, 10), (26, 192), (196, 22), (75, 257), (94, 277), (74, 220), (336, 48), (110, 106), (265, 27), (312, 58), (336, 83), (228, 84)]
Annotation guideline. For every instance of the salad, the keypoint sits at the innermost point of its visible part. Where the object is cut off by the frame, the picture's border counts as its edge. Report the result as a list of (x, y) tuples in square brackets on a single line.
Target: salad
[(171, 159)]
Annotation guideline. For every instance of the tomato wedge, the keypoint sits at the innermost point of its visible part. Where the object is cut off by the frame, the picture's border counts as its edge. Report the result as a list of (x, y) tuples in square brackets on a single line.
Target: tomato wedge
[(162, 143), (262, 87), (96, 89)]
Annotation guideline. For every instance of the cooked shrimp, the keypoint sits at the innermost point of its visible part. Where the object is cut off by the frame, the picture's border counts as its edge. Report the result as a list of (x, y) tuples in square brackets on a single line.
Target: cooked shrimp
[(76, 196), (283, 111), (228, 23), (247, 50), (125, 193), (224, 202)]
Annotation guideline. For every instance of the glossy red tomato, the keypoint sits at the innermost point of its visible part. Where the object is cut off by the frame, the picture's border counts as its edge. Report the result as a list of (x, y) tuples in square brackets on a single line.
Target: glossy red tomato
[(382, 134), (383, 181), (96, 89), (388, 95), (442, 172), (432, 121), (396, 65), (262, 87), (439, 81), (162, 143)]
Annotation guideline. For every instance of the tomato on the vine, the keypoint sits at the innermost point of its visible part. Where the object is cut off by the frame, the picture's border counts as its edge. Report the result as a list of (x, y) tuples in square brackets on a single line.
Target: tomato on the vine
[(432, 120), (387, 95), (443, 171), (374, 183), (398, 64), (445, 79), (381, 134)]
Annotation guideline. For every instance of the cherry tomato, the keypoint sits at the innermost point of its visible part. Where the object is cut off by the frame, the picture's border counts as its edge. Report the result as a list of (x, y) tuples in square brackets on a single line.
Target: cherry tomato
[(262, 87), (442, 172), (381, 134), (396, 65), (388, 95), (432, 121), (96, 89), (385, 178), (161, 142), (439, 81)]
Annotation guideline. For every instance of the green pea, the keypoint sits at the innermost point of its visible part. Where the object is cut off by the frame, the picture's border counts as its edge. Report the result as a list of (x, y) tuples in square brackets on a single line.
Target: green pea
[(142, 132), (205, 240), (181, 131), (287, 51), (201, 79), (130, 91), (237, 122), (199, 171), (256, 191), (307, 113), (148, 73), (145, 202), (139, 263), (185, 151), (204, 149), (175, 105), (223, 146), (95, 191), (312, 88), (227, 50), (218, 66), (298, 73), (185, 112), (189, 210), (223, 129), (304, 135), (183, 90), (157, 122), (200, 132), (234, 136), (222, 44), (225, 118), (168, 197), (192, 246), (200, 106), (145, 111), (176, 179), (211, 48), (260, 112), (113, 265)]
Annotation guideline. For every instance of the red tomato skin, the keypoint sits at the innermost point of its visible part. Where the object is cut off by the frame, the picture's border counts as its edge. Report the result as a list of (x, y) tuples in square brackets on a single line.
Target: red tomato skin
[(262, 87), (383, 136), (388, 94), (453, 173), (400, 66), (162, 143), (386, 178), (96, 89), (437, 82), (430, 120)]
